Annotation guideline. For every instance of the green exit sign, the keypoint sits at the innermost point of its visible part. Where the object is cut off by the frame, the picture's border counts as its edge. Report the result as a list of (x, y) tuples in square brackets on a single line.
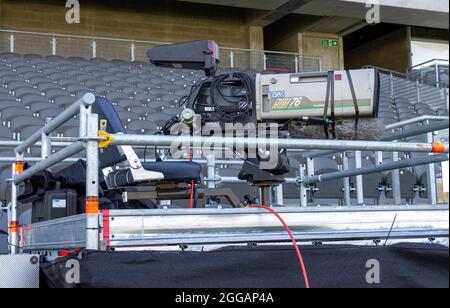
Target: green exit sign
[(329, 43)]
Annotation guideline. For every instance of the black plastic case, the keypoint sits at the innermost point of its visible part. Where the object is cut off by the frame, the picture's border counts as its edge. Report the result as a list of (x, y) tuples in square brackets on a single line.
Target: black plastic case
[(55, 204)]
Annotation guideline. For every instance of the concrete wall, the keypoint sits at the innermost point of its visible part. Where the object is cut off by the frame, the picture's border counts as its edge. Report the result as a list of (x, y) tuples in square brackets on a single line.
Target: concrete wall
[(391, 51), (164, 21), (292, 34), (311, 43)]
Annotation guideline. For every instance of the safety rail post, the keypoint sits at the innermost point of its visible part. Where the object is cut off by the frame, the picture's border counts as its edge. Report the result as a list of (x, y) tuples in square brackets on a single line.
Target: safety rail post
[(264, 61), (309, 166), (359, 179), (133, 52), (347, 193), (438, 75), (303, 189), (310, 173), (92, 183), (53, 43), (396, 185), (94, 48), (11, 42), (211, 165), (46, 143), (391, 84), (231, 58), (279, 195), (13, 216), (418, 96), (85, 111), (431, 175)]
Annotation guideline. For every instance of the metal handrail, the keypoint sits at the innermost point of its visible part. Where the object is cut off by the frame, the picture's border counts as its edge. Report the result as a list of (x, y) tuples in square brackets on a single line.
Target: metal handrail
[(99, 38), (427, 62), (439, 125), (66, 115), (402, 75), (417, 120), (302, 144), (385, 70)]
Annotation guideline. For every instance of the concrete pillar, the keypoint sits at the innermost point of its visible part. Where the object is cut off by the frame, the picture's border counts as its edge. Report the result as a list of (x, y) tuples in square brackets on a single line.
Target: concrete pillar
[(256, 43), (2, 35)]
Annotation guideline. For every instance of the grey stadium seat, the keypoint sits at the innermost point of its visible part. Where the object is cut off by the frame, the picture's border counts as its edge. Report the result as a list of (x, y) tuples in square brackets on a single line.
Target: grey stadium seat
[(21, 122), (5, 133), (28, 100), (407, 184), (371, 182), (143, 111), (330, 189), (53, 93), (102, 90), (127, 116), (142, 127), (36, 107), (64, 101), (10, 113), (8, 103), (115, 97), (443, 112), (46, 86), (49, 113), (128, 104), (23, 91)]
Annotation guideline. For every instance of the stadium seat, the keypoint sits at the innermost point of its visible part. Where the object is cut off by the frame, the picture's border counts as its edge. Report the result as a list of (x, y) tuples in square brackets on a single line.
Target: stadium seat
[(408, 184), (330, 189), (142, 127)]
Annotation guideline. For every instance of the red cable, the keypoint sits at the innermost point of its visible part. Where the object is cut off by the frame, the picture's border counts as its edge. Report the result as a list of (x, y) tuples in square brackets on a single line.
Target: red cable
[(299, 254), (191, 199)]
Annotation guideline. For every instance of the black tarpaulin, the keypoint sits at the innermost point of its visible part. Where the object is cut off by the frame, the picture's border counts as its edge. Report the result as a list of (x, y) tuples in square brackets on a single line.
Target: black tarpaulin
[(338, 266)]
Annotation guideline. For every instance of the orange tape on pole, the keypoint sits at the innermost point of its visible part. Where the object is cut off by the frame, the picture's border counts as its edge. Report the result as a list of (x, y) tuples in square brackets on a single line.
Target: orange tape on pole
[(14, 227), (20, 167), (92, 205), (438, 147)]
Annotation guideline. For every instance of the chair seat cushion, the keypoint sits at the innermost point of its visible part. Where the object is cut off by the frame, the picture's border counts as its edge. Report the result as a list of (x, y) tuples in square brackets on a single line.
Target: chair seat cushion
[(176, 171)]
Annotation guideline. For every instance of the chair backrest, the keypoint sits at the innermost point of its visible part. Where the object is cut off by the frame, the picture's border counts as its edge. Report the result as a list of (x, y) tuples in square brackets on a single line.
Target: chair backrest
[(112, 155)]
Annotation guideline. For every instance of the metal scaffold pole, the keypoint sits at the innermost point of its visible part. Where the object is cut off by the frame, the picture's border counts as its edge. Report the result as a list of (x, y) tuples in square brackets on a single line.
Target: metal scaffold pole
[(392, 136), (359, 179), (376, 169), (92, 186), (293, 144), (347, 192)]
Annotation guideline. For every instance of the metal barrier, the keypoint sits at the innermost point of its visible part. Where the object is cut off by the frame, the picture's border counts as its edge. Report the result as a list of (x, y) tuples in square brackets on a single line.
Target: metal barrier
[(136, 50), (416, 88), (230, 226), (434, 123), (82, 108), (91, 222), (437, 68)]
